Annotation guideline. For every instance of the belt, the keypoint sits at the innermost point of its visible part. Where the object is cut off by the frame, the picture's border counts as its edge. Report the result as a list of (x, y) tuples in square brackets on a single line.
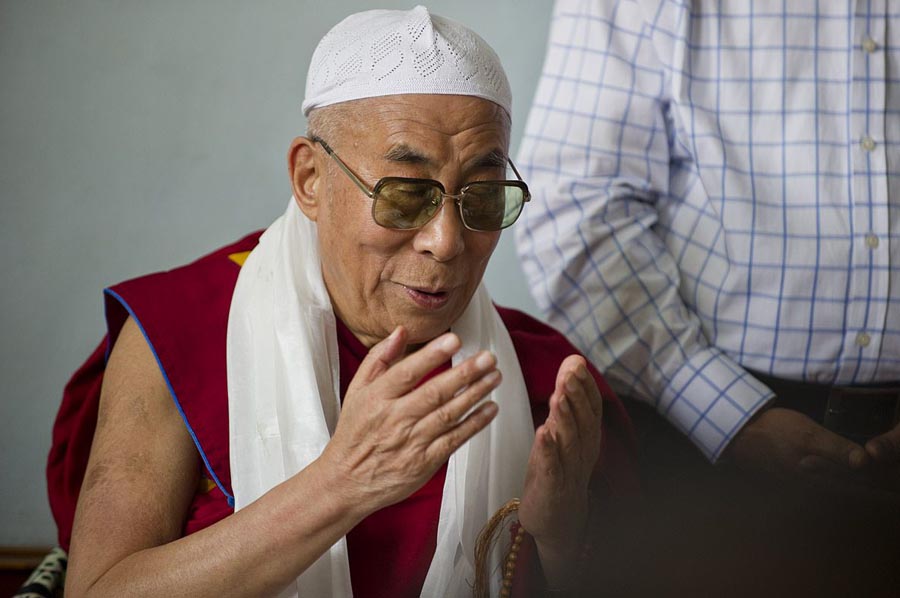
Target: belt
[(855, 412)]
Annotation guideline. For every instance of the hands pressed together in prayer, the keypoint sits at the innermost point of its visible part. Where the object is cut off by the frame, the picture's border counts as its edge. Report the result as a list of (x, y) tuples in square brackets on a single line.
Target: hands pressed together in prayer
[(787, 443), (392, 436)]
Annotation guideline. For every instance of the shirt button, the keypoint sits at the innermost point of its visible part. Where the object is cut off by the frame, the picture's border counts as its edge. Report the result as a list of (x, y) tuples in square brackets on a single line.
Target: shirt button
[(872, 241), (867, 143), (869, 44), (863, 339)]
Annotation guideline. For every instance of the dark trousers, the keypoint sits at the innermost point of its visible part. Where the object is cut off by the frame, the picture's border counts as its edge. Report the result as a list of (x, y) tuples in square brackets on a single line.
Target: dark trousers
[(704, 530)]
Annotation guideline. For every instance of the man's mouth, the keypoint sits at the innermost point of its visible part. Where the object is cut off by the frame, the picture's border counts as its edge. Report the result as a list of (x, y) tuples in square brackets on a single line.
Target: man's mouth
[(428, 298)]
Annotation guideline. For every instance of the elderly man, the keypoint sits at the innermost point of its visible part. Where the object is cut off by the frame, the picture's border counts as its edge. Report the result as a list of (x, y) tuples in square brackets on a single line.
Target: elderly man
[(320, 410)]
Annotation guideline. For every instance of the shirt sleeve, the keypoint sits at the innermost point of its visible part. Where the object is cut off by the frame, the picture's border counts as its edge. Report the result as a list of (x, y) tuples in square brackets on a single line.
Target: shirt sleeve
[(599, 148)]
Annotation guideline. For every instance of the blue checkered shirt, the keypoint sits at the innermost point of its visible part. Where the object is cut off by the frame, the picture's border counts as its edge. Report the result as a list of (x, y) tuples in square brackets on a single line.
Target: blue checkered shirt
[(711, 188)]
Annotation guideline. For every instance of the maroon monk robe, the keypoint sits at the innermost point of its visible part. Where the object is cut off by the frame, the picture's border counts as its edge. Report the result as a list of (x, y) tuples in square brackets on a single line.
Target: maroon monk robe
[(183, 314)]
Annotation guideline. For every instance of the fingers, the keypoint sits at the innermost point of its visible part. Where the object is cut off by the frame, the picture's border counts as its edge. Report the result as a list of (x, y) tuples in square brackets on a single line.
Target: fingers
[(561, 424), (394, 376), (835, 448), (576, 406), (573, 428), (404, 375), (573, 373), (545, 461), (380, 358), (447, 443), (886, 447), (443, 387), (447, 414)]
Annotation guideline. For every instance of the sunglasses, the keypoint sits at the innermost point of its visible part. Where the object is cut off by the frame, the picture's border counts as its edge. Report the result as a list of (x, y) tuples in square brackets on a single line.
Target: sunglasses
[(406, 203)]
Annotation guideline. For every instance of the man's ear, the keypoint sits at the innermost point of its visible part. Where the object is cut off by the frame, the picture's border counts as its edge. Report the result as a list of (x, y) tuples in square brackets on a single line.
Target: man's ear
[(306, 172)]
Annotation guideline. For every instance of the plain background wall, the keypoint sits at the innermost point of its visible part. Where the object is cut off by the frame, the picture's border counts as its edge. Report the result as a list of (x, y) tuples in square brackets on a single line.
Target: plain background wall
[(136, 136)]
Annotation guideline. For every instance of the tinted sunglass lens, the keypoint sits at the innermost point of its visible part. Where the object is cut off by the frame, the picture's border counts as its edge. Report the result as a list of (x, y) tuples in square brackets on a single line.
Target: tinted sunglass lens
[(491, 206), (405, 204)]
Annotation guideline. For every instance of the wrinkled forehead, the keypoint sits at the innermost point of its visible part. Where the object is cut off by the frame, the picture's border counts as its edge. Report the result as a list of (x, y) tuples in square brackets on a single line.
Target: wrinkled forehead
[(437, 125), (391, 52)]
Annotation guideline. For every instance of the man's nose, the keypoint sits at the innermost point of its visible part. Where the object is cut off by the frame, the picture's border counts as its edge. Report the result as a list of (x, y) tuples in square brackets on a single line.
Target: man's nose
[(442, 236)]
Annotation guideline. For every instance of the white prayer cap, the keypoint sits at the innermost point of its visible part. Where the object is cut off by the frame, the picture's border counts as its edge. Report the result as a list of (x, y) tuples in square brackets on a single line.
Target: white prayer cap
[(388, 52)]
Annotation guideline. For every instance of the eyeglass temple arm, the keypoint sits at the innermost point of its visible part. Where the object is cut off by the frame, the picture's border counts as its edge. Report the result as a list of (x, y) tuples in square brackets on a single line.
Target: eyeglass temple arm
[(362, 186), (519, 176), (514, 169)]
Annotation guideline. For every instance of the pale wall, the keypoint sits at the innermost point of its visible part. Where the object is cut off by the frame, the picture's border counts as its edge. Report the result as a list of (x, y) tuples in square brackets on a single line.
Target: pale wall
[(137, 135)]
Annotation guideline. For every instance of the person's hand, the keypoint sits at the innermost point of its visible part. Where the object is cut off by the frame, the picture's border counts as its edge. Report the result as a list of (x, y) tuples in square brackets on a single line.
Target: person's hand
[(788, 444), (884, 451), (391, 436), (885, 448), (554, 507)]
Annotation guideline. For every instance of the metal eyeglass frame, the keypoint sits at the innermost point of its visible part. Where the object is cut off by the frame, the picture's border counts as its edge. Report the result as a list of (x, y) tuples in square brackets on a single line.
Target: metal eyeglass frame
[(457, 197)]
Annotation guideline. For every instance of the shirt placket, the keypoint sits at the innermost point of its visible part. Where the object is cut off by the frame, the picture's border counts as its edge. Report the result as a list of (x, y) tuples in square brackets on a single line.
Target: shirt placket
[(868, 277)]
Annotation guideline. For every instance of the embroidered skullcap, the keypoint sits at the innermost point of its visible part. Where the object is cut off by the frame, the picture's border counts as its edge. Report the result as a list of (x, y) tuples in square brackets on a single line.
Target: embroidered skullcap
[(387, 52)]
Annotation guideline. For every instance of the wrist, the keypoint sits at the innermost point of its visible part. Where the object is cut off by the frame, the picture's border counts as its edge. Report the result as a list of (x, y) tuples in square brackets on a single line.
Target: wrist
[(563, 560), (345, 495), (736, 452)]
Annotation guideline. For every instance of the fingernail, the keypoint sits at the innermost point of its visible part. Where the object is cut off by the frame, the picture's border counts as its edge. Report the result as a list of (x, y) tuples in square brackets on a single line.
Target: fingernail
[(493, 377), (449, 342), (564, 404), (581, 373), (484, 360), (570, 385)]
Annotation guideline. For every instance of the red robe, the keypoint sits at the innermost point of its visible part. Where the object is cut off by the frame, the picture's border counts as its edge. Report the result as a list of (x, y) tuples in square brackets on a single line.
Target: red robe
[(183, 314)]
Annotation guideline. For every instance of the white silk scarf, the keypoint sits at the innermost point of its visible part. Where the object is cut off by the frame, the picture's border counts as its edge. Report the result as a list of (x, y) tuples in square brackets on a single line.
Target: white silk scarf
[(283, 406)]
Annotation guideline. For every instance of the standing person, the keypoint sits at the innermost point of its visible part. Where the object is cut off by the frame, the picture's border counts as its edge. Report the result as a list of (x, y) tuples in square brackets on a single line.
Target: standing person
[(716, 222)]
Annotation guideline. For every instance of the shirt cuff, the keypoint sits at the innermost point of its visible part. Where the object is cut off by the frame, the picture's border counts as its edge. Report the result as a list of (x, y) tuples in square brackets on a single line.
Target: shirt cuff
[(710, 398)]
